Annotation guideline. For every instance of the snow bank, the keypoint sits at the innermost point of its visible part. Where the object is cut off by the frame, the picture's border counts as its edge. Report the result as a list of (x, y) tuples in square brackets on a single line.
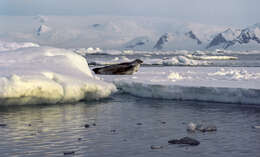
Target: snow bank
[(8, 46), (198, 83), (47, 75)]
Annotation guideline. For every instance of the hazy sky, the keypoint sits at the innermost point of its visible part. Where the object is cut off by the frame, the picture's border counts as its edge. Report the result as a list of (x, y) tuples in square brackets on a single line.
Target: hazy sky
[(221, 12)]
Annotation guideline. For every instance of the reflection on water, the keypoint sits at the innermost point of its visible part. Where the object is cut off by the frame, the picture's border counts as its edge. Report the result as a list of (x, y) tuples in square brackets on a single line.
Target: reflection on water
[(53, 129)]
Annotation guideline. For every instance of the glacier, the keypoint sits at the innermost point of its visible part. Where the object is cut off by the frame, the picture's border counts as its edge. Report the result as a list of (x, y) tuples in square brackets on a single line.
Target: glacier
[(47, 75)]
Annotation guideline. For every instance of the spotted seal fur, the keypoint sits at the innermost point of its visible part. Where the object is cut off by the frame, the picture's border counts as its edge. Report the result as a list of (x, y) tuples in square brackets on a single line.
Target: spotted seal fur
[(126, 68)]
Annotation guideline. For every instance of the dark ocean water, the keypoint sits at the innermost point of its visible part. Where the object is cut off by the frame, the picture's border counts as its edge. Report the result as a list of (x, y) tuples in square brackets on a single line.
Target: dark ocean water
[(51, 130)]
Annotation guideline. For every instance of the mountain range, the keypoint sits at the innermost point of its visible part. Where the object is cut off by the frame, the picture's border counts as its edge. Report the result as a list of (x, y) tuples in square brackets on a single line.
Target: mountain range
[(137, 33)]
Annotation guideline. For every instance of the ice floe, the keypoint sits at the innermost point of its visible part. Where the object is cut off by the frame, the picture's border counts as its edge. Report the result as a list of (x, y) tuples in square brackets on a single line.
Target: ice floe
[(213, 84), (47, 75)]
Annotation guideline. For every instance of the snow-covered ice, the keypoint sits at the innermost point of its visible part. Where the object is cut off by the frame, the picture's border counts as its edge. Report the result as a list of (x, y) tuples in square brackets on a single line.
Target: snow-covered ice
[(47, 75), (235, 74), (213, 84), (85, 51), (7, 46), (205, 57), (177, 60), (115, 60)]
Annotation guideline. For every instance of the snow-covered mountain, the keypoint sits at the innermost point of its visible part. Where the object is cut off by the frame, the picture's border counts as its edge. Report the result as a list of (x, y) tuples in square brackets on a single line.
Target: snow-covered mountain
[(193, 36), (178, 40), (139, 43), (237, 39), (224, 39), (163, 40), (137, 33), (42, 29), (250, 34), (41, 19)]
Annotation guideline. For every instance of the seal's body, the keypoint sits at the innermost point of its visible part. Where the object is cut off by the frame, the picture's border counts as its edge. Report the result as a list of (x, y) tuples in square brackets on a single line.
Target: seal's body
[(127, 68)]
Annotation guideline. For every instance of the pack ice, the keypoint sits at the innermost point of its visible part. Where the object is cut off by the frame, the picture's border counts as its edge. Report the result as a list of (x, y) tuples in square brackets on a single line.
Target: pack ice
[(40, 75)]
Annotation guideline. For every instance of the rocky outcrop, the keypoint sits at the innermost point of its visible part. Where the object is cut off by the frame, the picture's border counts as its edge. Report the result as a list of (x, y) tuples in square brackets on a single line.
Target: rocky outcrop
[(229, 38), (247, 35), (96, 25), (218, 40), (162, 41), (42, 29), (185, 140), (136, 44), (193, 36)]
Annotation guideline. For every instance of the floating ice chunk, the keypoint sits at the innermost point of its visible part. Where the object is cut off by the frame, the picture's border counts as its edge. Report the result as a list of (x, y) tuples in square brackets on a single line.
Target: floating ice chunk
[(47, 75), (198, 85), (206, 57), (182, 60), (191, 127), (256, 127), (195, 93)]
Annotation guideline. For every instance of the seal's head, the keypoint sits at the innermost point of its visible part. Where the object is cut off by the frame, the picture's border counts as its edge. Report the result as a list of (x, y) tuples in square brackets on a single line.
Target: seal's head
[(139, 61)]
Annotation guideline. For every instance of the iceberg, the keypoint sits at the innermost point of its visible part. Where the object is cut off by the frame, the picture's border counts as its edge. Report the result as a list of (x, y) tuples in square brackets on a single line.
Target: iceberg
[(46, 75)]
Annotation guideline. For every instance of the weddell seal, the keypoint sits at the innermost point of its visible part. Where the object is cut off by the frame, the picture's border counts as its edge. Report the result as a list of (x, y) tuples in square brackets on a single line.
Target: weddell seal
[(127, 68)]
